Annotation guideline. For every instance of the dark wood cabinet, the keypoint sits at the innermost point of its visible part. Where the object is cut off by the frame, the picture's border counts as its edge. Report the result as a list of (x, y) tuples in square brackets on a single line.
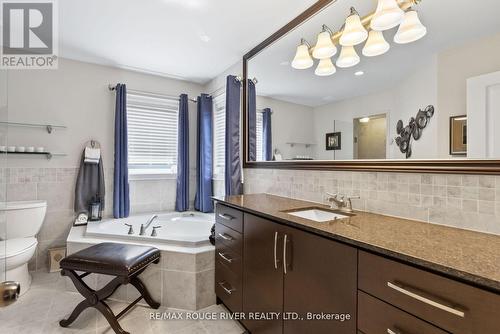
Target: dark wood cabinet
[(320, 281), (273, 272), (296, 274), (448, 304), (376, 317), (262, 275)]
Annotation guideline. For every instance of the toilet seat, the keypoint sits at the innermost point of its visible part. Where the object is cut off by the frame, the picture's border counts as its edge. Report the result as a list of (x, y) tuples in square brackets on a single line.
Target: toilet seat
[(13, 247)]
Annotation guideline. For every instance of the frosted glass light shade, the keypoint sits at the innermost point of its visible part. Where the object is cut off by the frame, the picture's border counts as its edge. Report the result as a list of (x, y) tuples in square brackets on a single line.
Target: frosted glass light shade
[(302, 59), (354, 32), (324, 46), (376, 44), (411, 29), (325, 68), (348, 57), (387, 15)]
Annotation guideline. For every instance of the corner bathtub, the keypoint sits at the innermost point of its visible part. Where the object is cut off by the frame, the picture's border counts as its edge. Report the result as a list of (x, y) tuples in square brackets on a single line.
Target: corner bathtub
[(185, 276), (186, 229)]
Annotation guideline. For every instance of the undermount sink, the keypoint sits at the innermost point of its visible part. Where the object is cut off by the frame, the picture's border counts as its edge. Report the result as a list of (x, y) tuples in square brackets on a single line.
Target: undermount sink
[(317, 215)]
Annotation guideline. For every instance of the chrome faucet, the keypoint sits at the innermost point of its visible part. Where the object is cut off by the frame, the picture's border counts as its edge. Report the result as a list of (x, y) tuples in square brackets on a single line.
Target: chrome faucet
[(145, 227), (343, 203)]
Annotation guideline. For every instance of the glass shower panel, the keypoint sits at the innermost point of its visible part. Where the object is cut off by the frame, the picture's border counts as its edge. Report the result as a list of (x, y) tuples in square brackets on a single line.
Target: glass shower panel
[(3, 165)]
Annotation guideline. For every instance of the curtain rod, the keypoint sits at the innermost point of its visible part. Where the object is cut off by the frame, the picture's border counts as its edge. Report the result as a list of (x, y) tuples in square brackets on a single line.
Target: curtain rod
[(144, 93)]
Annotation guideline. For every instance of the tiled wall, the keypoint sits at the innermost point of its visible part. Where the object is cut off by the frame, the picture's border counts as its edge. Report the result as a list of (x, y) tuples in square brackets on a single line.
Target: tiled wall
[(464, 201), (57, 186)]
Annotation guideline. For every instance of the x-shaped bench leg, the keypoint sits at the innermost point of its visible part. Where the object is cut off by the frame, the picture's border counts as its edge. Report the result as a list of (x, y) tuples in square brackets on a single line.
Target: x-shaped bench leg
[(94, 299)]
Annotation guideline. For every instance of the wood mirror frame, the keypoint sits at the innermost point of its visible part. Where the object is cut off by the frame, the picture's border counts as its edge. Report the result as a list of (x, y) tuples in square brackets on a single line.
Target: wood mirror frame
[(454, 166)]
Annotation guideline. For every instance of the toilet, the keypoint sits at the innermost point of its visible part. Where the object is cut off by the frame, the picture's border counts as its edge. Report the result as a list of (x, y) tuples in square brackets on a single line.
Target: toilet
[(19, 225)]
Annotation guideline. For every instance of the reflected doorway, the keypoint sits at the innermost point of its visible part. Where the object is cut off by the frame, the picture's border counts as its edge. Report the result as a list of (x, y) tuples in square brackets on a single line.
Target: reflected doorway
[(370, 137)]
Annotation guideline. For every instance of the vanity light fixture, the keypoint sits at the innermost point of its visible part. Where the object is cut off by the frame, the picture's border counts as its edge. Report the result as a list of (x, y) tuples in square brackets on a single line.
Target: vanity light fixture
[(348, 57), (411, 29), (387, 15), (302, 59), (324, 46), (364, 120), (354, 32), (376, 44), (325, 68)]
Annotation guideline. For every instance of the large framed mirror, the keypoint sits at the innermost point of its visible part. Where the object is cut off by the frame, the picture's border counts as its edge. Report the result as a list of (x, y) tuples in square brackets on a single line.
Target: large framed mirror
[(377, 85)]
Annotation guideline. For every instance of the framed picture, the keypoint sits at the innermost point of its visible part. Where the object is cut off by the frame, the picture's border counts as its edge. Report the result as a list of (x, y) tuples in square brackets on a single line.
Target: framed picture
[(458, 135), (333, 141)]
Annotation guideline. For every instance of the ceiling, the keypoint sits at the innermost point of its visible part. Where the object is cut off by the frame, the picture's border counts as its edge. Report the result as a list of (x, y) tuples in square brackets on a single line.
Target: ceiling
[(193, 40), (449, 23)]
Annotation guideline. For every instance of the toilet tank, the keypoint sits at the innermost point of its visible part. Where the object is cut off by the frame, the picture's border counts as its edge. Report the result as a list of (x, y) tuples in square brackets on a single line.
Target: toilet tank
[(21, 219)]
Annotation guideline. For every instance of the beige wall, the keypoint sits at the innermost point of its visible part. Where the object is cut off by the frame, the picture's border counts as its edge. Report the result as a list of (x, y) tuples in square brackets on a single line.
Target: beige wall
[(455, 66), (371, 139)]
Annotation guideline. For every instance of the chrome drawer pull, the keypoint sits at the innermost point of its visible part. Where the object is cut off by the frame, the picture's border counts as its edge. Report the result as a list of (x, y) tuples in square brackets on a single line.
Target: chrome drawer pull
[(225, 216), (228, 291), (275, 246), (390, 331), (225, 258), (284, 254), (413, 294), (225, 236)]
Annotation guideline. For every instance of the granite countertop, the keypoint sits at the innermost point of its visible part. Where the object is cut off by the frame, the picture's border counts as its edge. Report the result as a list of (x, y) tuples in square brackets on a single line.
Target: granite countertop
[(468, 256)]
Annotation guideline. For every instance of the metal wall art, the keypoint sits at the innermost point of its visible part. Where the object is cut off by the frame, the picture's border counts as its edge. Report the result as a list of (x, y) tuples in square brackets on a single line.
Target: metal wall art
[(414, 129)]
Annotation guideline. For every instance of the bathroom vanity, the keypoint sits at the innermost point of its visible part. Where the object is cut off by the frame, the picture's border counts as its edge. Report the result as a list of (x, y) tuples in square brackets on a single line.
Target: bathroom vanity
[(366, 273)]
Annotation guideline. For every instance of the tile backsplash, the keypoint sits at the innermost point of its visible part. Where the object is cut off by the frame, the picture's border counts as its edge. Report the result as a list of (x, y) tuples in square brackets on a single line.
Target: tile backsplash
[(57, 187), (464, 201)]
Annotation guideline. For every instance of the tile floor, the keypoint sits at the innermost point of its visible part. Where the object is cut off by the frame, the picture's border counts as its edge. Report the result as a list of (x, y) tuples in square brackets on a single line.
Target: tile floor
[(47, 302)]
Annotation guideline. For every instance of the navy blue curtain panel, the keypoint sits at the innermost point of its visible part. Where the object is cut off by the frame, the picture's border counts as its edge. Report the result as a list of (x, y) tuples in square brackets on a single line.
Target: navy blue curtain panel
[(204, 160), (182, 191), (121, 199), (267, 135), (252, 122), (233, 183)]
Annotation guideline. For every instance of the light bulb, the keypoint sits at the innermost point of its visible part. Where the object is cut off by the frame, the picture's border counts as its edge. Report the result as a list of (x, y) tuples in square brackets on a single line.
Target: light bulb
[(354, 32), (302, 59), (411, 29), (324, 46), (387, 15), (348, 57), (325, 68), (376, 44)]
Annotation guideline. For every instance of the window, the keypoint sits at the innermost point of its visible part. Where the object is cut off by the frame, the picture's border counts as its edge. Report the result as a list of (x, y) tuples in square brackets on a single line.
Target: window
[(152, 133), (219, 135), (259, 135)]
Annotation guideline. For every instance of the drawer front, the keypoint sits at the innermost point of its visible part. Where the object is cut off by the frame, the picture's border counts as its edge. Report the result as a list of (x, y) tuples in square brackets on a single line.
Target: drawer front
[(448, 304), (229, 238), (228, 287), (229, 258), (230, 217), (377, 317)]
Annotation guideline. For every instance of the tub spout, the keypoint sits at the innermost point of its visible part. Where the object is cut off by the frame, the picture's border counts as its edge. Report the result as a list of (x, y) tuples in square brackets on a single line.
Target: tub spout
[(145, 227)]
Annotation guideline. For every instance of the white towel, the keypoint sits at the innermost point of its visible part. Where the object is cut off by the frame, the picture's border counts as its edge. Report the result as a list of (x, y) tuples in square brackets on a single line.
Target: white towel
[(92, 155)]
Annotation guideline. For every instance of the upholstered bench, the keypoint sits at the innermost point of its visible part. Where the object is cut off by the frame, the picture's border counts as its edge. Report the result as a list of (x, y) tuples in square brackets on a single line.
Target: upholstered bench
[(125, 262)]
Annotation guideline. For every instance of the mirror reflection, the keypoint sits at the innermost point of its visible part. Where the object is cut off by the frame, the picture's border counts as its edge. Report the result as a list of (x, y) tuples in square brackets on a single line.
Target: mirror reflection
[(386, 79)]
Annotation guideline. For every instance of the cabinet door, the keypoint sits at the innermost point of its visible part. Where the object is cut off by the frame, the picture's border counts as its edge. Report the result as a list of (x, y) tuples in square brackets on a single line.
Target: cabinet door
[(320, 279), (262, 275)]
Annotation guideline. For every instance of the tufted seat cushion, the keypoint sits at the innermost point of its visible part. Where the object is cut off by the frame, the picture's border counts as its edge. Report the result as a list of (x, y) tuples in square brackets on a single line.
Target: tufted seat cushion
[(111, 259)]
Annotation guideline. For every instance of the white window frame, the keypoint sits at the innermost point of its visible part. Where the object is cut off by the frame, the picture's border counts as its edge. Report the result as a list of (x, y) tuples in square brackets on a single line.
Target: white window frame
[(160, 113), (219, 136), (259, 128)]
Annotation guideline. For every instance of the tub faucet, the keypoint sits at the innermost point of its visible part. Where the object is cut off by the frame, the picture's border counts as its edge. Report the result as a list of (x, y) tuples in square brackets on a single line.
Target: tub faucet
[(145, 227)]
